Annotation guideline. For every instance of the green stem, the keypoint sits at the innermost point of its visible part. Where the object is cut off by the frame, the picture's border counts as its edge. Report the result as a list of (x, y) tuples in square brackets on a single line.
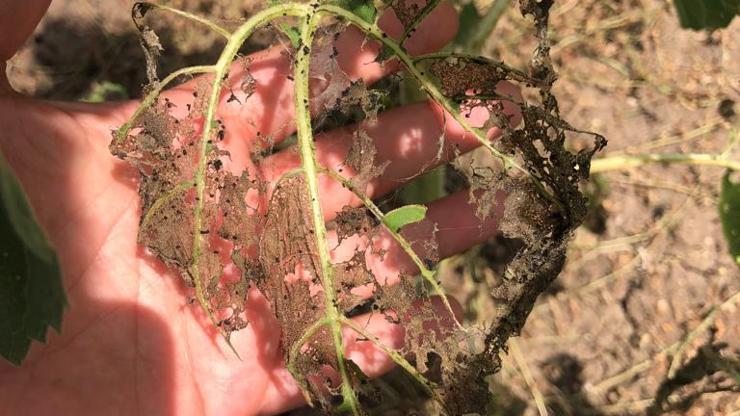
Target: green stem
[(307, 151), (180, 188), (221, 71), (122, 132), (295, 349), (425, 188), (198, 19), (633, 161)]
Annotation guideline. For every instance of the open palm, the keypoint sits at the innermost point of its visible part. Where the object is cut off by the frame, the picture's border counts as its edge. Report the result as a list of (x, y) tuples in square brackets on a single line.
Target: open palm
[(130, 342)]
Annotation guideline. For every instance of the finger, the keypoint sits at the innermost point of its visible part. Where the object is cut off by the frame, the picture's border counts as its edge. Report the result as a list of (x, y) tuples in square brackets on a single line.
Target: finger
[(17, 21), (412, 139), (270, 109)]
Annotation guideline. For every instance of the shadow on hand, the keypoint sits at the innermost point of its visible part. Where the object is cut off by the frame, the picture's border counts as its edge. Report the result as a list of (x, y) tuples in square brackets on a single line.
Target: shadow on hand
[(111, 358)]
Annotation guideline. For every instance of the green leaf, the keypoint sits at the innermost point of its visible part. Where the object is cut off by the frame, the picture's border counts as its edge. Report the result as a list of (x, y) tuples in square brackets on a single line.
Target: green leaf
[(706, 14), (469, 20), (19, 215), (404, 215), (14, 343), (425, 188), (363, 9), (106, 91), (31, 292), (292, 33), (384, 54), (476, 28), (729, 214)]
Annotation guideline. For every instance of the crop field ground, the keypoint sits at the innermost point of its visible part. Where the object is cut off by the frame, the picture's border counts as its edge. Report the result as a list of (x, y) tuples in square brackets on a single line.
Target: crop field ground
[(648, 282)]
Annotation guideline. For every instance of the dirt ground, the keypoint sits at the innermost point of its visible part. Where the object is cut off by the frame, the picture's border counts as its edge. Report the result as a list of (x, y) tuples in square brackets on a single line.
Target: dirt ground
[(652, 263), (648, 280)]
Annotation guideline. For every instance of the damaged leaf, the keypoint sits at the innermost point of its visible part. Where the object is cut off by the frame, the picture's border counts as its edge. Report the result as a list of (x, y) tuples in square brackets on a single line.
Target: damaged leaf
[(227, 231)]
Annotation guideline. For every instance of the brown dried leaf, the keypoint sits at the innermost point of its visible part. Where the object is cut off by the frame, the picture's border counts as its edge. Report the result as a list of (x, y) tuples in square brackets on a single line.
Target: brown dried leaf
[(541, 212), (287, 252), (361, 158), (406, 10), (351, 221)]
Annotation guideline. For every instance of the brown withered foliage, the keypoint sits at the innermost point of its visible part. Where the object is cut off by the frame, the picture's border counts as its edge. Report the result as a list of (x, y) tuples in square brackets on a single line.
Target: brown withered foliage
[(270, 239)]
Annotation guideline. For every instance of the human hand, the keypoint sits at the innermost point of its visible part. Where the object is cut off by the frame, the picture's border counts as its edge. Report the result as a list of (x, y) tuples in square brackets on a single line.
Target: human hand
[(130, 343)]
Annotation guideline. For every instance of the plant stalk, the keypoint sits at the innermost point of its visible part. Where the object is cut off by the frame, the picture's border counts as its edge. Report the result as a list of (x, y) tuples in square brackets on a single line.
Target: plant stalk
[(633, 161), (221, 71), (434, 92), (307, 151), (198, 19)]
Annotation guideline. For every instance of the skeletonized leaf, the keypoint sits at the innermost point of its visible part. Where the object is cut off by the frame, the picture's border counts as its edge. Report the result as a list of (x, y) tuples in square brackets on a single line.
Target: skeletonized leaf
[(729, 214), (404, 215), (190, 205)]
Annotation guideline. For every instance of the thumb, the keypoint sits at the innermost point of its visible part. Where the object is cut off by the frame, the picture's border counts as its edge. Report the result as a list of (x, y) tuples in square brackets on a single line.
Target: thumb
[(18, 19)]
